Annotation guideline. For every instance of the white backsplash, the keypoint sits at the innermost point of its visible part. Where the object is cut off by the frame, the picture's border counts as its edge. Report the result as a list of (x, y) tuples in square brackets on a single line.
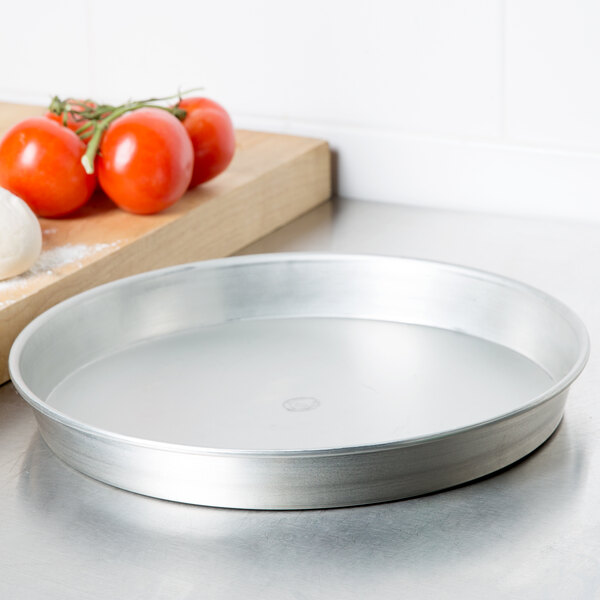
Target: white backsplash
[(492, 105)]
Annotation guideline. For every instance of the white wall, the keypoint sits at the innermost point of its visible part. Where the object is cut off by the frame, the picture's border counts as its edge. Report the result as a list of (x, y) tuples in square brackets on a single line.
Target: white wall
[(491, 105)]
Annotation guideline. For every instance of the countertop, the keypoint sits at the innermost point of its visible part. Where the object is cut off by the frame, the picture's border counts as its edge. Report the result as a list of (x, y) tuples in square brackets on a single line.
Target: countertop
[(529, 532)]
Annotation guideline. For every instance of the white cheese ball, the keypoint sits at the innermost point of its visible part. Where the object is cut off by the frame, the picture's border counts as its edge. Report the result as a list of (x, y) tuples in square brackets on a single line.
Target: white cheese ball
[(20, 236)]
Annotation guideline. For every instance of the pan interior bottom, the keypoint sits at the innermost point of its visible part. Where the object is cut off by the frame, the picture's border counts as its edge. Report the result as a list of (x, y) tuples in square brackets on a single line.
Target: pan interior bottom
[(299, 383)]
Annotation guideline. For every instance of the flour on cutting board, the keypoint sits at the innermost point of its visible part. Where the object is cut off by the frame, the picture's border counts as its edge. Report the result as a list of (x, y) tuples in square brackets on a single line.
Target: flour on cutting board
[(48, 265)]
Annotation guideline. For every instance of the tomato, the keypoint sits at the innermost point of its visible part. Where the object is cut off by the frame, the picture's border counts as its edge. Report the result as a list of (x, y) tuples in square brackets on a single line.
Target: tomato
[(73, 123), (146, 161), (40, 161), (211, 131)]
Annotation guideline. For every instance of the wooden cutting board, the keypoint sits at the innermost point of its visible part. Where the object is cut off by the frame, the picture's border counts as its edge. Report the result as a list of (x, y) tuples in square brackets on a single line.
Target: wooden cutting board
[(272, 180)]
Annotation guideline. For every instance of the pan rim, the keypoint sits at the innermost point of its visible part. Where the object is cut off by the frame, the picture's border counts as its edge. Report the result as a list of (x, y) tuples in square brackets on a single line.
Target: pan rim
[(554, 390)]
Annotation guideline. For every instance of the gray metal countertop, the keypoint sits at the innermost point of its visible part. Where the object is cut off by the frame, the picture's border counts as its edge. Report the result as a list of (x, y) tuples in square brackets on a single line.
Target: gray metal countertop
[(529, 532)]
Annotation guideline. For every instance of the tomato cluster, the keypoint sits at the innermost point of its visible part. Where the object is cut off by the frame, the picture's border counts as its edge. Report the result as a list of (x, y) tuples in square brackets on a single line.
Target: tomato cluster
[(143, 156)]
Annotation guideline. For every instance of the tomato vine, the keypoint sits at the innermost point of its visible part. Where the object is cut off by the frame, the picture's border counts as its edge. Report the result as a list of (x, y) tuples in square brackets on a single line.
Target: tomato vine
[(95, 119)]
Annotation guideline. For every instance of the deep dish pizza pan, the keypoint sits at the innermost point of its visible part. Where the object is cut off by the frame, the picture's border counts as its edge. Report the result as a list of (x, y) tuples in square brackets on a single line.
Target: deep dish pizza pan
[(299, 380)]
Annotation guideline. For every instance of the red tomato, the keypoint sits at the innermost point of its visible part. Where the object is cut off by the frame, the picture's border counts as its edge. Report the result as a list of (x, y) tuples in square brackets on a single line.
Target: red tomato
[(72, 123), (146, 160), (211, 131), (40, 161)]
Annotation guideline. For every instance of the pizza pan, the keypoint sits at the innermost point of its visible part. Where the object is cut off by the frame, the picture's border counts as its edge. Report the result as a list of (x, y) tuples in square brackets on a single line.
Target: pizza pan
[(299, 380)]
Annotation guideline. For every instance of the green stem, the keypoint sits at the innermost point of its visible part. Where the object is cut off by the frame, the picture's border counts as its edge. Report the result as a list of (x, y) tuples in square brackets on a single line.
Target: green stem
[(80, 130), (172, 96), (57, 106)]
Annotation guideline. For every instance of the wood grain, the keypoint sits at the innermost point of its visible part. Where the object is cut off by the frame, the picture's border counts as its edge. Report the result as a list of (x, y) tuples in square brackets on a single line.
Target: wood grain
[(272, 180)]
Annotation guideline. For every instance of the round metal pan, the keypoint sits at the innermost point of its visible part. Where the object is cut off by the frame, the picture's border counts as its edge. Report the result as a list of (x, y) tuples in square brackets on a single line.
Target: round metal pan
[(299, 380)]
